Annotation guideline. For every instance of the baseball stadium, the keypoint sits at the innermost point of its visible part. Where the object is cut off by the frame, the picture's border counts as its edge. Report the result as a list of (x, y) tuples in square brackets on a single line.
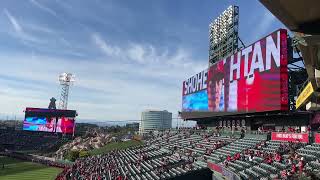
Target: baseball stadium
[(255, 106)]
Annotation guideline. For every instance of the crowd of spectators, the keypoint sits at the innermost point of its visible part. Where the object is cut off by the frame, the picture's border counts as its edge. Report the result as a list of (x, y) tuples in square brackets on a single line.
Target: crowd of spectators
[(95, 167), (183, 148), (115, 164), (288, 129), (19, 140), (293, 160)]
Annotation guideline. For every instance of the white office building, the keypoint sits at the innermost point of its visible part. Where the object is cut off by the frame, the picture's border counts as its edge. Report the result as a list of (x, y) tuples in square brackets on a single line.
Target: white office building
[(153, 120)]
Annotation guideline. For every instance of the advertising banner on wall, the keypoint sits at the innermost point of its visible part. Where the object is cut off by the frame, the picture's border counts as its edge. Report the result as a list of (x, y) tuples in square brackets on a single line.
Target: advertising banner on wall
[(282, 136), (222, 170), (304, 95), (254, 79), (317, 138)]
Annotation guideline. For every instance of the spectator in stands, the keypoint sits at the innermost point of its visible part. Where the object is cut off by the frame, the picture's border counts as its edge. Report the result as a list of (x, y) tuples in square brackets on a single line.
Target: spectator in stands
[(229, 158), (292, 130), (237, 156), (218, 131), (301, 165), (269, 160), (243, 157), (258, 153), (232, 130), (284, 174), (258, 146), (289, 175), (282, 148), (242, 133), (207, 152), (278, 157), (246, 151), (297, 129), (250, 158), (309, 129), (265, 155), (293, 168)]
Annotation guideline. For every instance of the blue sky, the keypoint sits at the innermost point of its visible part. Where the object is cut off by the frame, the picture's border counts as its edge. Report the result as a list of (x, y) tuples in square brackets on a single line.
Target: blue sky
[(127, 56)]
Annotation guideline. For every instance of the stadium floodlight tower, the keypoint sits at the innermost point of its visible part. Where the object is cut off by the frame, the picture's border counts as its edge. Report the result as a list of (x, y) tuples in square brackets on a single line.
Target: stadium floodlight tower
[(66, 80), (223, 35)]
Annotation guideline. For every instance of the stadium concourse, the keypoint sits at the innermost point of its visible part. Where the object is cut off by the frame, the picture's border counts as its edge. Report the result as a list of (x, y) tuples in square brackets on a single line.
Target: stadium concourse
[(187, 153)]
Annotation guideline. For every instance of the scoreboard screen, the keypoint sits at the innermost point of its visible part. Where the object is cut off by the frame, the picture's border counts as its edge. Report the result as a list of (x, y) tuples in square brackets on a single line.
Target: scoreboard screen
[(49, 120), (254, 79)]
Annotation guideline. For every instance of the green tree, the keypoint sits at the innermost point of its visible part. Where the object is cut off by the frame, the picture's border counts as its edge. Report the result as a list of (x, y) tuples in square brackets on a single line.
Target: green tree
[(72, 155), (83, 154)]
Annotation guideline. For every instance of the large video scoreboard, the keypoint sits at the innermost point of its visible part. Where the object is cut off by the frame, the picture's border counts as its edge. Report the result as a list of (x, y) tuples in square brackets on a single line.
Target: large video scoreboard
[(49, 120), (254, 79)]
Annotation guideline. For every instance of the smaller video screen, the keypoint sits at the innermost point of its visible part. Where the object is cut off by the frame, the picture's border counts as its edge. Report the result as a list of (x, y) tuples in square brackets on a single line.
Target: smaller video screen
[(45, 120)]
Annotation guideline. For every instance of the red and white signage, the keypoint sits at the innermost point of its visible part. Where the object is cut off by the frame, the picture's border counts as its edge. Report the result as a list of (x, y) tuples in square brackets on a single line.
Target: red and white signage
[(317, 138), (222, 170), (294, 137), (214, 167)]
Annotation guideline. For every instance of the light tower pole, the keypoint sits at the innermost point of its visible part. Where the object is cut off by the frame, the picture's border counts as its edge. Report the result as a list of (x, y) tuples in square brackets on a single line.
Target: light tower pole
[(66, 80)]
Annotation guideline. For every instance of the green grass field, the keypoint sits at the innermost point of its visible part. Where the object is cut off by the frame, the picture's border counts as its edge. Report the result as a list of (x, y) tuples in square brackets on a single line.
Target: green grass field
[(115, 145), (22, 170)]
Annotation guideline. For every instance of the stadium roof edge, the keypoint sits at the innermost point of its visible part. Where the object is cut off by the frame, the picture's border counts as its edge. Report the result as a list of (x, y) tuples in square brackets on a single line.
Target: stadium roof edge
[(297, 15)]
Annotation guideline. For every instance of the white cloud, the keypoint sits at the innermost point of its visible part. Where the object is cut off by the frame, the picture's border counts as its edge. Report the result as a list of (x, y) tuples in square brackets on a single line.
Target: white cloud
[(13, 21), (41, 38), (119, 87), (103, 46), (18, 26), (149, 55), (137, 53), (116, 90), (19, 30), (44, 8), (48, 10), (39, 28)]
